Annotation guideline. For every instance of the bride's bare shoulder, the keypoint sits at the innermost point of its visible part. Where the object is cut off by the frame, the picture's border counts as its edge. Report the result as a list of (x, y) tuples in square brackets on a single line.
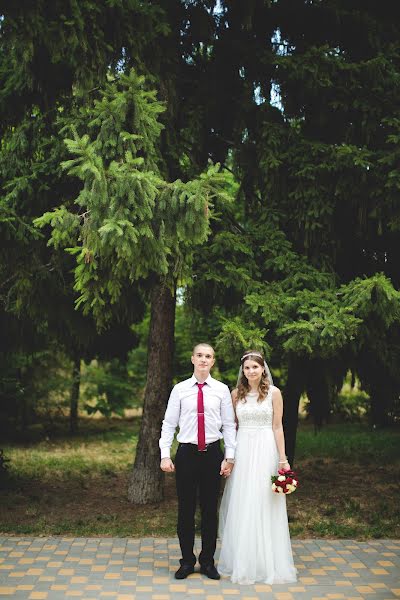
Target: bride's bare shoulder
[(276, 393)]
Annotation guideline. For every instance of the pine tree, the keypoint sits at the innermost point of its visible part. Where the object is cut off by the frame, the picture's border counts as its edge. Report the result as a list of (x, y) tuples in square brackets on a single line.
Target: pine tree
[(51, 57), (128, 224), (299, 102), (317, 207)]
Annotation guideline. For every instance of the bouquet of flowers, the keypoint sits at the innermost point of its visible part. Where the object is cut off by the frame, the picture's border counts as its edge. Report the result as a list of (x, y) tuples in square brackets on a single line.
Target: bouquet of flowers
[(285, 482)]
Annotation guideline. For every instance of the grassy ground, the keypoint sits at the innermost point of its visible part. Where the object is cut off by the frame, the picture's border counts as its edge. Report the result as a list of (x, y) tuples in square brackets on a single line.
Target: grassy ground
[(349, 481)]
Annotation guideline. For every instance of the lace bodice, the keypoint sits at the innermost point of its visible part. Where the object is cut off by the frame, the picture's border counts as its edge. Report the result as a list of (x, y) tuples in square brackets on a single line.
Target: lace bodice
[(255, 414)]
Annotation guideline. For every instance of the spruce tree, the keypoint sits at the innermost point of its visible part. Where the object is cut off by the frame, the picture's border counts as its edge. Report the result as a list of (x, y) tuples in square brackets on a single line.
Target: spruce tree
[(128, 224), (298, 101), (310, 136), (51, 57)]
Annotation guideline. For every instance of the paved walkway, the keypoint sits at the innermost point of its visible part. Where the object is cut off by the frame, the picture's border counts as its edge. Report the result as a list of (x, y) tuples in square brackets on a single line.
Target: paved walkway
[(143, 569)]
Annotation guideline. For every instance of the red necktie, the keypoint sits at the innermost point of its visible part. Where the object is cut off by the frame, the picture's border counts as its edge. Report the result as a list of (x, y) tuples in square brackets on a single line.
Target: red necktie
[(201, 432)]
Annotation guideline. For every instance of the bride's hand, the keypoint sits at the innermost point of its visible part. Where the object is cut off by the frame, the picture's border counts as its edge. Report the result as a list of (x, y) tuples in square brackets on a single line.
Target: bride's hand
[(285, 466)]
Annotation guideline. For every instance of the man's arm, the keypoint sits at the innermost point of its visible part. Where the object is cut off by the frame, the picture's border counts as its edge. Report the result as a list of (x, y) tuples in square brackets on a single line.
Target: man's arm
[(169, 425)]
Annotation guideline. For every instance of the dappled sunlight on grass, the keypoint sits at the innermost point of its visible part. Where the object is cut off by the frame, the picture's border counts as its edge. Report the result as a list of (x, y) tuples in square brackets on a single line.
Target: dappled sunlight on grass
[(91, 453), (348, 478), (78, 486), (64, 463)]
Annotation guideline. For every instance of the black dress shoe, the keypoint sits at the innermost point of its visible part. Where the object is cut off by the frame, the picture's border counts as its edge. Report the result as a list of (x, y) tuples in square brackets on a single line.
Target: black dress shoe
[(184, 571), (210, 571)]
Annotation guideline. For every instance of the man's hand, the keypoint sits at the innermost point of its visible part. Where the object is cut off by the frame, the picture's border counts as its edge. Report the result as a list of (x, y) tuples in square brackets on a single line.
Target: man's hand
[(167, 465), (226, 468)]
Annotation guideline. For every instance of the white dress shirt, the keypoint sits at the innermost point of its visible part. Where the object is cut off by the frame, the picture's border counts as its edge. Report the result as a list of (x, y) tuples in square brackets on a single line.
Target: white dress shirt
[(182, 410)]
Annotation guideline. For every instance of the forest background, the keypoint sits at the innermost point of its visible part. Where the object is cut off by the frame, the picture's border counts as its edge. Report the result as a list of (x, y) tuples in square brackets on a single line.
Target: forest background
[(174, 171)]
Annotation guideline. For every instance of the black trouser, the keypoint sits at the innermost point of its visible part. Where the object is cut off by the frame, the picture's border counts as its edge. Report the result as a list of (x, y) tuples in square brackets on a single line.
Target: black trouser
[(198, 473)]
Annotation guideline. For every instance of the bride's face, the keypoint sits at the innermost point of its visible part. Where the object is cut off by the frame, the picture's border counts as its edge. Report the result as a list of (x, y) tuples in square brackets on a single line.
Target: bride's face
[(252, 371)]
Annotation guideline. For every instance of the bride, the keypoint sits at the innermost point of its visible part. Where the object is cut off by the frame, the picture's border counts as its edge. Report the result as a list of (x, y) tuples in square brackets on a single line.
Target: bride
[(253, 521)]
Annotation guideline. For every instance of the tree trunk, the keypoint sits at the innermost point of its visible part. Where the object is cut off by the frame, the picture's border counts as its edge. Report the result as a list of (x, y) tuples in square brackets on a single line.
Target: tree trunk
[(376, 381), (22, 402), (23, 414), (318, 392), (380, 402), (146, 482), (294, 388), (74, 398)]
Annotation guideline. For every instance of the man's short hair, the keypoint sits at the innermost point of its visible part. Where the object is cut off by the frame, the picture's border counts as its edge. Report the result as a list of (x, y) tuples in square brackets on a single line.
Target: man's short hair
[(202, 344)]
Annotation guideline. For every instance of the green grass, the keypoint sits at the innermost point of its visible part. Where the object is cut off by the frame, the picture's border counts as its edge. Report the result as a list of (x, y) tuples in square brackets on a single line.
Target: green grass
[(348, 475), (59, 485), (92, 453), (64, 463), (348, 442), (96, 526)]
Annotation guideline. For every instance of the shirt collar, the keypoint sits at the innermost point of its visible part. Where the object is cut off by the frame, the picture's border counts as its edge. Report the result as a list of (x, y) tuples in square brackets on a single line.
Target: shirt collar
[(209, 381)]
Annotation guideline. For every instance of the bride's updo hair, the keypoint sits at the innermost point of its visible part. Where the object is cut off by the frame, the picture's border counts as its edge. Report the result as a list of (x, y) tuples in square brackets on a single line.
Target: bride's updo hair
[(243, 387)]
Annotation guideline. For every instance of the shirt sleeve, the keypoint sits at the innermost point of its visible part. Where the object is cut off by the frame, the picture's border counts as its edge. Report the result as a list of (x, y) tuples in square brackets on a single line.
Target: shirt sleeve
[(170, 423), (228, 424)]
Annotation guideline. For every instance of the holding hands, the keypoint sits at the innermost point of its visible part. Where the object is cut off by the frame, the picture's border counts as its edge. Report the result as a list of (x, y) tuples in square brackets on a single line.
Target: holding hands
[(226, 468)]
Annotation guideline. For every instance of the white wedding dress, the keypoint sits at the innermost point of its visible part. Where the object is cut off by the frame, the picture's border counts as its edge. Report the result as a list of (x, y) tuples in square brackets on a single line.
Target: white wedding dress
[(253, 523)]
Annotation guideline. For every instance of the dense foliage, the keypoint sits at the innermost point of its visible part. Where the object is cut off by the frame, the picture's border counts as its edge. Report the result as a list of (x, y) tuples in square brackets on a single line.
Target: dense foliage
[(113, 115)]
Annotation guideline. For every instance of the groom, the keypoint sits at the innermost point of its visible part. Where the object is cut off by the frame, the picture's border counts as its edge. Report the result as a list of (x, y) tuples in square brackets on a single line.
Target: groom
[(201, 406)]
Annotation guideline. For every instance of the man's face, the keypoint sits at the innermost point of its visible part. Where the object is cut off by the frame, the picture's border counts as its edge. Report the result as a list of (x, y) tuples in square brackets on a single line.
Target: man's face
[(203, 359)]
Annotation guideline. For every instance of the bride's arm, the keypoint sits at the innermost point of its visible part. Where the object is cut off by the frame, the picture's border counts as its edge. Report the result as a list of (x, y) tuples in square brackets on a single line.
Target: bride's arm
[(234, 394), (227, 464), (277, 403)]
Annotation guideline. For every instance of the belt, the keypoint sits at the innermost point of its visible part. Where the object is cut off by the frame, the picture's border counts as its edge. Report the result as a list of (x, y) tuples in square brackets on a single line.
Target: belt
[(195, 448)]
